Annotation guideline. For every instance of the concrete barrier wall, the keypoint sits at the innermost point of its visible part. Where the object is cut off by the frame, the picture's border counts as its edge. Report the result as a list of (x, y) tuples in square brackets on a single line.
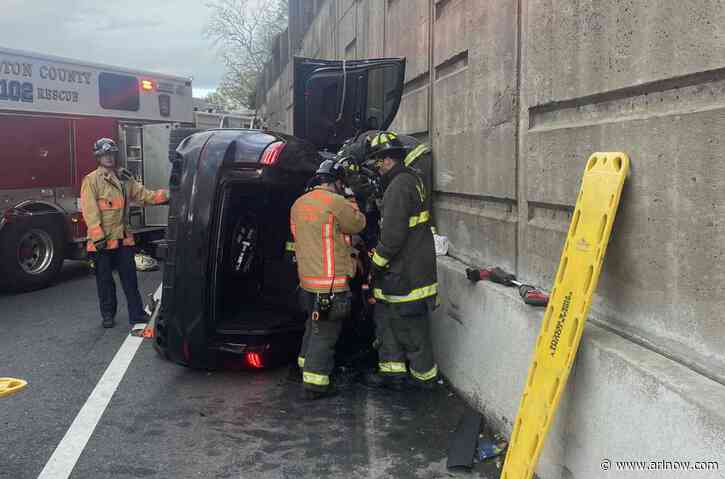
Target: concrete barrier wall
[(514, 95)]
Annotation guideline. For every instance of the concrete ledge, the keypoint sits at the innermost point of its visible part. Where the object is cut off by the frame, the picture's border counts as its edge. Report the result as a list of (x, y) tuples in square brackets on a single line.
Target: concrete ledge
[(623, 402)]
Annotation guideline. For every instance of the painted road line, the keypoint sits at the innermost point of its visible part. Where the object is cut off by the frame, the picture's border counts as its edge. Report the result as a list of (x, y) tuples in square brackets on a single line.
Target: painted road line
[(64, 458)]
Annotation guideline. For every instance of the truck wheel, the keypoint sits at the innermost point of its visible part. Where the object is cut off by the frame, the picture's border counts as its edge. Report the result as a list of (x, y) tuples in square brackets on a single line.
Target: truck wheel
[(32, 252), (176, 136)]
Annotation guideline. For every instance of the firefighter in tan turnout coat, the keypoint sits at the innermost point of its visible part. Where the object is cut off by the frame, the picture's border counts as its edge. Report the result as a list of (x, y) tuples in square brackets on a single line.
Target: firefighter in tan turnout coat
[(105, 196), (322, 221)]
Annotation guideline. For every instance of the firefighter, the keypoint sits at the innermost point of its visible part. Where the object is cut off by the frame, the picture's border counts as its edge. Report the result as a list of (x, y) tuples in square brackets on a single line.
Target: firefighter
[(322, 222), (105, 196), (404, 271), (418, 157)]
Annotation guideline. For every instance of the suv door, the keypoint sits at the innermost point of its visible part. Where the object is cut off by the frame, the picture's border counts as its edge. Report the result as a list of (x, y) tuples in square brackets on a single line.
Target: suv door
[(335, 100)]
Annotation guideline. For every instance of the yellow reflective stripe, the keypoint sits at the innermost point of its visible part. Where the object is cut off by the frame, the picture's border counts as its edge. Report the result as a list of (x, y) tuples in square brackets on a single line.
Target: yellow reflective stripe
[(421, 192), (415, 295), (434, 230), (426, 376), (423, 217), (300, 361), (415, 153), (289, 246), (316, 379), (379, 260), (392, 367), (383, 138)]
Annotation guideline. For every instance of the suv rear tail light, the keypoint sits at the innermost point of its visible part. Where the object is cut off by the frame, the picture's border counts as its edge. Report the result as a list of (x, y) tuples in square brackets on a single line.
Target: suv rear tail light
[(271, 153), (254, 360)]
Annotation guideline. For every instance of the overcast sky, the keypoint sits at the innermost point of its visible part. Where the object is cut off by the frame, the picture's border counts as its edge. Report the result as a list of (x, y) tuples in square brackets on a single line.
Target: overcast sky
[(162, 36)]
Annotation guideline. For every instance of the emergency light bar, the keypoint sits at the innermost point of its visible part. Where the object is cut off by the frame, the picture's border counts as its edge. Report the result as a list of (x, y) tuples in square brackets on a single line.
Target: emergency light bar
[(147, 85)]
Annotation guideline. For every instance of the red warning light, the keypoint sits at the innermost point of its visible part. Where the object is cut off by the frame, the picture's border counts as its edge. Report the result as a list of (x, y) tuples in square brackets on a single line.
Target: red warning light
[(254, 360), (147, 85)]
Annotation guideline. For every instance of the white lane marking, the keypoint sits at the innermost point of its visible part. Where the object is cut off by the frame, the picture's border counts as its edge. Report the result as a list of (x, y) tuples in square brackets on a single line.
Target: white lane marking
[(64, 458)]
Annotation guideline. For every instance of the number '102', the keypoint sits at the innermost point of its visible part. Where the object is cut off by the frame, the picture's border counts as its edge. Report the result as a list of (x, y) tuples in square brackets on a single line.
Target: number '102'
[(15, 91)]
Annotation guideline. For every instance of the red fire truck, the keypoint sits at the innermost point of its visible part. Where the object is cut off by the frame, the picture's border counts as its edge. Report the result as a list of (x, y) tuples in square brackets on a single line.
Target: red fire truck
[(51, 111)]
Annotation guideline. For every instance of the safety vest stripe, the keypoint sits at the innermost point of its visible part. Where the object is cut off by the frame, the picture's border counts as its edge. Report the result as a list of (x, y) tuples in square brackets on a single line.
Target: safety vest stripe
[(324, 284), (380, 260), (300, 361), (423, 217), (421, 191), (392, 367), (426, 376), (324, 278), (316, 379), (329, 247), (415, 153), (414, 295), (342, 280)]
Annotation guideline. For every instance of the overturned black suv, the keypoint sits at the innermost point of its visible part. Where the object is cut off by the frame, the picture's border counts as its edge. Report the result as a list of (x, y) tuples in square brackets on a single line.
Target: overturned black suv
[(230, 281)]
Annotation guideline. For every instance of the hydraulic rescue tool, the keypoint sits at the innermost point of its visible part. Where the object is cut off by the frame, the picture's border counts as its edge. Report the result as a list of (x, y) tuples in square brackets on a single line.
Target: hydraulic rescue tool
[(530, 294)]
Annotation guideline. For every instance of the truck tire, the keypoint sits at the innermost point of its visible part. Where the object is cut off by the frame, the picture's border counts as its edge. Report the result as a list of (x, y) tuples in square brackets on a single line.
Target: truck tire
[(32, 251), (176, 136)]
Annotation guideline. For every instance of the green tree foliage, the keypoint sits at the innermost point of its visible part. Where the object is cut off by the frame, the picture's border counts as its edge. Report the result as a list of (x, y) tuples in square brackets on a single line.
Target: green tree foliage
[(244, 32)]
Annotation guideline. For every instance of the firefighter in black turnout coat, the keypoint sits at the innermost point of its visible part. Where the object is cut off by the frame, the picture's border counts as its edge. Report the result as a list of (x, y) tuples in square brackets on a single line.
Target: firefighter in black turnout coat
[(404, 270)]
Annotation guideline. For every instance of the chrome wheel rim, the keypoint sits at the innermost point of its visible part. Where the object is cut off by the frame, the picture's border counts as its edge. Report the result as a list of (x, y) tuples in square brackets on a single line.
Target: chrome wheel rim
[(35, 252)]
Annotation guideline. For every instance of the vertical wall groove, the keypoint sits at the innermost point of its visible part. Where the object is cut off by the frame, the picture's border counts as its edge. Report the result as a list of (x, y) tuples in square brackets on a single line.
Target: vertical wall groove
[(517, 137)]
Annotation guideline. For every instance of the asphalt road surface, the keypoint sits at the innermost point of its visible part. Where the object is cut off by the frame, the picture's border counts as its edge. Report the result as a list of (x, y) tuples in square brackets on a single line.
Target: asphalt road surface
[(167, 421)]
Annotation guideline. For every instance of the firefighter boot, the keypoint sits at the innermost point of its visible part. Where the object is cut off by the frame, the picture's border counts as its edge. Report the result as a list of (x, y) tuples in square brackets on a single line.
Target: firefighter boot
[(315, 394), (108, 322), (386, 381), (414, 383)]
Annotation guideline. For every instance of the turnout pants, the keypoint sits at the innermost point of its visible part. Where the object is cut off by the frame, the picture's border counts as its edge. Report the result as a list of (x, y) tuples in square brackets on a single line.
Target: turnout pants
[(317, 356), (122, 260), (403, 333)]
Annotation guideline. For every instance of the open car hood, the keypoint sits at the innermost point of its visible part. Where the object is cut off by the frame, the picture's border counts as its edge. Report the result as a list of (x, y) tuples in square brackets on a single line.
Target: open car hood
[(335, 100)]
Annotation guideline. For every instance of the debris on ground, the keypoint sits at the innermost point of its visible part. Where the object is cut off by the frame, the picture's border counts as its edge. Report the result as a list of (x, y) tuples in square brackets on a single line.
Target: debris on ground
[(490, 447), (462, 442)]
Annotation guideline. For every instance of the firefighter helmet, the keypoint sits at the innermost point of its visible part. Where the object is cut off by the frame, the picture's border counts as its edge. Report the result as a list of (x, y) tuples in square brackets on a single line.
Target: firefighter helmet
[(329, 171), (385, 142), (104, 146)]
